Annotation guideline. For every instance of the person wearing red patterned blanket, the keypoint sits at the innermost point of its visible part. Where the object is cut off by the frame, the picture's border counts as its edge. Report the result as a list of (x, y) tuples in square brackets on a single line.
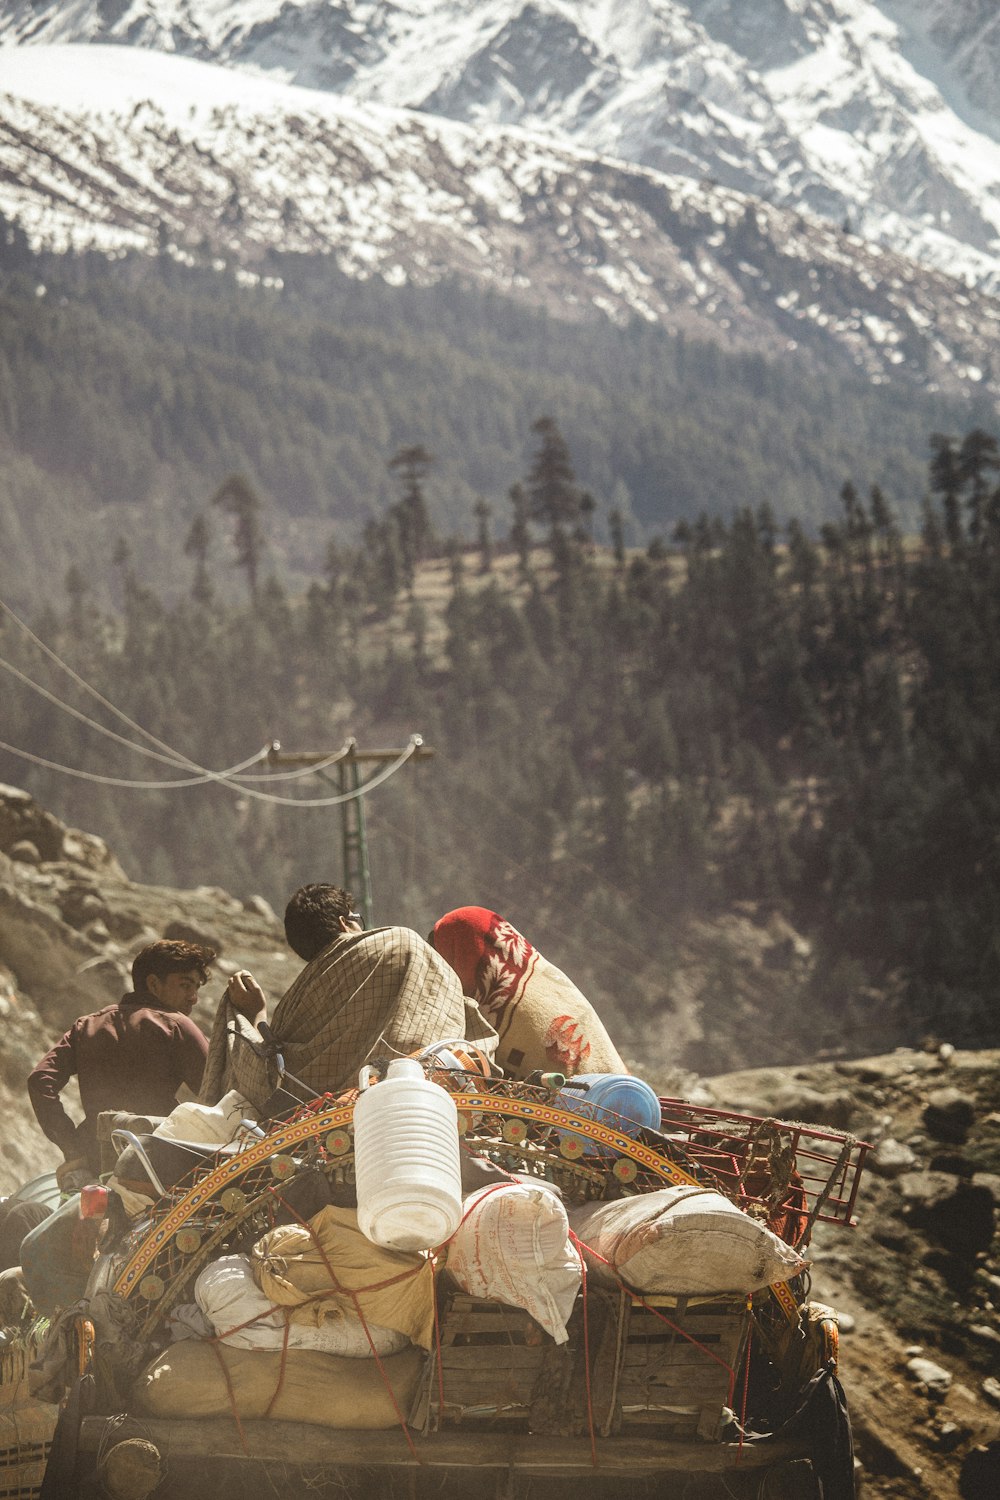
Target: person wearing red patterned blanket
[(543, 1021)]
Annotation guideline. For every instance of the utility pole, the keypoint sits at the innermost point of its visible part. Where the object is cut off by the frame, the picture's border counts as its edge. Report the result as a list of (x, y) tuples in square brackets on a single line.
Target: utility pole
[(354, 838)]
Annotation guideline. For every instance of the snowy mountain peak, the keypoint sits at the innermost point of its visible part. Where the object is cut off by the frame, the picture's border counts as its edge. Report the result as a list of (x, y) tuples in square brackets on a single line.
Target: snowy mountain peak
[(124, 150), (884, 114)]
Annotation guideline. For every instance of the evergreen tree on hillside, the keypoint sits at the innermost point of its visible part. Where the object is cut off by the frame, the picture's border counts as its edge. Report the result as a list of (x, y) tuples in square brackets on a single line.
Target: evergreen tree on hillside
[(553, 495), (238, 498), (520, 534), (977, 464), (197, 544), (946, 481), (410, 511), (483, 511)]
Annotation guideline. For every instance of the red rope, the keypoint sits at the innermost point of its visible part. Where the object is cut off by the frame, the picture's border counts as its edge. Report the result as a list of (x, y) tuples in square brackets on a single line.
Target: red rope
[(437, 1350), (355, 1298), (214, 1346), (281, 1367), (586, 1349), (746, 1390)]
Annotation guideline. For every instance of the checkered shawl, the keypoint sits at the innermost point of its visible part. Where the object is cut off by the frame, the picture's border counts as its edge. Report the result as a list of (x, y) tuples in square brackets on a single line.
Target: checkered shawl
[(368, 993)]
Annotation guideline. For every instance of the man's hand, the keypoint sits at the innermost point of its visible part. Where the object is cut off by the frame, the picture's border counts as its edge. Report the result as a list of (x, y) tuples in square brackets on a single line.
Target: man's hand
[(73, 1174), (246, 996)]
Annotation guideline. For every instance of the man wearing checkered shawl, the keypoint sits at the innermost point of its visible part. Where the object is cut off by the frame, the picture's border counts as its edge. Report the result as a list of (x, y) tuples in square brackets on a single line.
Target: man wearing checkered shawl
[(361, 994)]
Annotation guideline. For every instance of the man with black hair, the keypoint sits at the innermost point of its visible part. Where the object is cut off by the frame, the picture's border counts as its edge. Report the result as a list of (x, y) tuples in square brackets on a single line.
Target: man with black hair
[(361, 995), (132, 1056)]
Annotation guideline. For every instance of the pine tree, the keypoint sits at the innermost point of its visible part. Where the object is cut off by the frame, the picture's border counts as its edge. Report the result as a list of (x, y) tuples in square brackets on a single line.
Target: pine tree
[(484, 539), (410, 511), (520, 535), (553, 496), (237, 496), (197, 544), (616, 528), (946, 481)]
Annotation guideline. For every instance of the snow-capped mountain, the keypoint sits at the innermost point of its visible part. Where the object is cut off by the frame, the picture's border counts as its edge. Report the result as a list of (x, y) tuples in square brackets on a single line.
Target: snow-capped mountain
[(121, 149), (884, 114)]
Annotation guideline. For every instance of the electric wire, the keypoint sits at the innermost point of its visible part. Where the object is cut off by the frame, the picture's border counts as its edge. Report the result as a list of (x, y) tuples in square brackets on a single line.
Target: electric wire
[(205, 775), (171, 757), (113, 734), (149, 786), (87, 687), (214, 777), (414, 744)]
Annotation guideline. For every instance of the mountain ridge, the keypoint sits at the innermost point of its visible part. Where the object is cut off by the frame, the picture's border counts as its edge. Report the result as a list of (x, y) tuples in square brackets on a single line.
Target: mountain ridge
[(866, 110), (413, 199)]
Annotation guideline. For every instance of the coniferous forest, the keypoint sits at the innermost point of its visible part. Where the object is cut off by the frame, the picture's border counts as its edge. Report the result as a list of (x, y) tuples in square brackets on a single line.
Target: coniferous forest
[(738, 716), (673, 668), (129, 390)]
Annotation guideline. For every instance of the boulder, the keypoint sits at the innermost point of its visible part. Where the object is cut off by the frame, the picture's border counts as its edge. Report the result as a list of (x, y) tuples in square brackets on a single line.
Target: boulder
[(799, 1102), (933, 1377), (24, 852), (891, 1158), (949, 1115), (22, 819), (951, 1211), (79, 905), (261, 907), (991, 1182), (187, 932)]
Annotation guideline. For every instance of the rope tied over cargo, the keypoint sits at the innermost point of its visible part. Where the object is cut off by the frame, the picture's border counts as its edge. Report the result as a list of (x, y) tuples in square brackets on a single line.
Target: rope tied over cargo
[(355, 1298), (582, 1247)]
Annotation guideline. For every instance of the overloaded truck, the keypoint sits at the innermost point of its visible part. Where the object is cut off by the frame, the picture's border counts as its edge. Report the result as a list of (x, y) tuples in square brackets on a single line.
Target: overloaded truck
[(617, 1304)]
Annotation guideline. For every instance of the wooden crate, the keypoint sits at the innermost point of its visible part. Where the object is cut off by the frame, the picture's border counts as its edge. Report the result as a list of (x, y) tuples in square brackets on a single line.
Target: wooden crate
[(493, 1360), (657, 1365), (677, 1364)]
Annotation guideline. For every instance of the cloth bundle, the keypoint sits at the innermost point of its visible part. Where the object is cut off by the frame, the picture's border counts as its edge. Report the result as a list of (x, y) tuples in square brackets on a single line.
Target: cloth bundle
[(327, 1270), (513, 1246), (193, 1379), (682, 1240), (243, 1318)]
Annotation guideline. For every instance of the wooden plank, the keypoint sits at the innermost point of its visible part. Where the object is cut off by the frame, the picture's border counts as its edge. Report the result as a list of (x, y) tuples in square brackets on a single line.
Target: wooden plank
[(486, 1392), (303, 1443), (672, 1393), (500, 1357), (672, 1355)]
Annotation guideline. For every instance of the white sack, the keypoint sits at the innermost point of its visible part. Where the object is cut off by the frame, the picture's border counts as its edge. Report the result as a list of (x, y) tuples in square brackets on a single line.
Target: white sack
[(230, 1298), (682, 1240), (513, 1246), (208, 1124)]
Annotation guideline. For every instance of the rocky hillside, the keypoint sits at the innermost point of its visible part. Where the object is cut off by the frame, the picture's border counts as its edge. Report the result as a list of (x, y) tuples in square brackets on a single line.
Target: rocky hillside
[(917, 1281), (70, 924)]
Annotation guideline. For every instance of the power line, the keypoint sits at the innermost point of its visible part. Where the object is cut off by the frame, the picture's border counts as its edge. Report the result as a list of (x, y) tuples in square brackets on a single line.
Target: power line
[(81, 682), (149, 786), (172, 757), (112, 734), (221, 778)]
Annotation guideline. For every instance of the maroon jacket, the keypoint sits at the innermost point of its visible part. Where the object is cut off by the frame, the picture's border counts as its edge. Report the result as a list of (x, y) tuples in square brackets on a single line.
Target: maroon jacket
[(130, 1056)]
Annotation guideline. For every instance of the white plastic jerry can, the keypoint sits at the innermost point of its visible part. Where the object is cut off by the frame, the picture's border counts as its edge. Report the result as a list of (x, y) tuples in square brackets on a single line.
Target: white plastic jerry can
[(406, 1159)]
